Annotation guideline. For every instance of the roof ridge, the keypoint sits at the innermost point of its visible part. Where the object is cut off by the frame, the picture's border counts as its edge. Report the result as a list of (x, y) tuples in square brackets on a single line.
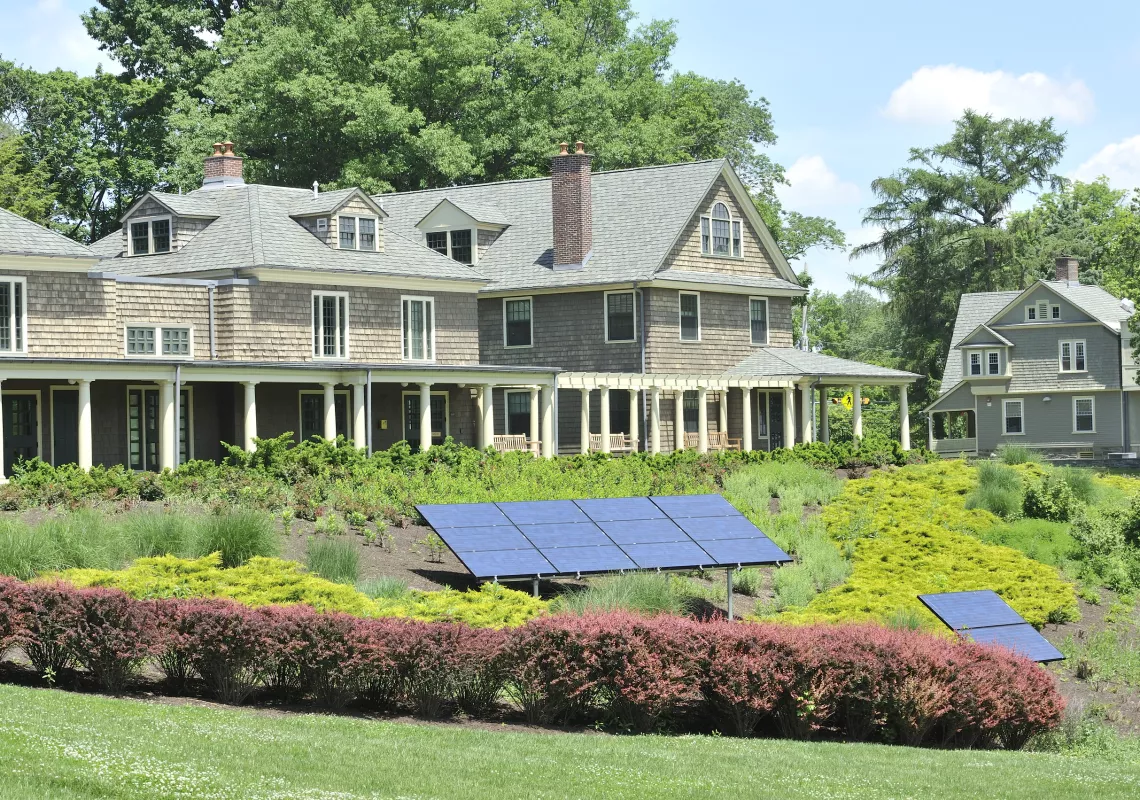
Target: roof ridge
[(257, 246)]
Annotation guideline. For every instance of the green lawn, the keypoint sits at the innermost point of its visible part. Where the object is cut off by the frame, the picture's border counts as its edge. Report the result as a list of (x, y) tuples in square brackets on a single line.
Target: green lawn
[(58, 745)]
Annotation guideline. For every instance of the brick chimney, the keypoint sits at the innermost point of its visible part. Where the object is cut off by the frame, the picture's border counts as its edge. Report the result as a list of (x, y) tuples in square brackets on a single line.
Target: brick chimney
[(1068, 270), (222, 167), (572, 207)]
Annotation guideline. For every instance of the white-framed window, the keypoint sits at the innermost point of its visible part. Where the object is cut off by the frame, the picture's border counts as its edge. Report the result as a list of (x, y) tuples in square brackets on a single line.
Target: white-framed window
[(721, 233), (1054, 311), (975, 363), (1071, 356), (621, 316), (518, 328), (689, 304), (143, 421), (330, 324), (148, 236), (758, 319), (417, 321), (518, 412), (145, 340), (993, 362), (1084, 415), (322, 225), (13, 315), (1013, 417), (457, 244), (1031, 313), (356, 233)]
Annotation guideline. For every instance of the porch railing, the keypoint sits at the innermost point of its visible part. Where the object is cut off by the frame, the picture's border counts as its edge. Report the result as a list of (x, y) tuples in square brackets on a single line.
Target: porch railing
[(956, 445)]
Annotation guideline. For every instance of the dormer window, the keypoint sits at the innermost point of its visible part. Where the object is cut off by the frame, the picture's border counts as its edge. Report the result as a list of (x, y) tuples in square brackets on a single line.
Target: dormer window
[(149, 236), (356, 233), (720, 233), (453, 244)]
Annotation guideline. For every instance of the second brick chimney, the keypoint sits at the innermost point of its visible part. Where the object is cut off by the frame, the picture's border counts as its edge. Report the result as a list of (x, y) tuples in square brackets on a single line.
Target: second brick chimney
[(222, 168), (1068, 270), (572, 207)]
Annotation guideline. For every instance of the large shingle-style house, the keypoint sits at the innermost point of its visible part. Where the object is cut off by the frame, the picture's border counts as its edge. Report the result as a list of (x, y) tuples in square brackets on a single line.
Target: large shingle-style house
[(1049, 367), (567, 313)]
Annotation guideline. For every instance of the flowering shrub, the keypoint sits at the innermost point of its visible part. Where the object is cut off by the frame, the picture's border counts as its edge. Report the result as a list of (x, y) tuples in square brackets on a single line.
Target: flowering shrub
[(113, 636)]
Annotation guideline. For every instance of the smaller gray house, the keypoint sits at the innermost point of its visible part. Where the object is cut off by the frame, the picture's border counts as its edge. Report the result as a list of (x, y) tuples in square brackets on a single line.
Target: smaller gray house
[(1049, 367)]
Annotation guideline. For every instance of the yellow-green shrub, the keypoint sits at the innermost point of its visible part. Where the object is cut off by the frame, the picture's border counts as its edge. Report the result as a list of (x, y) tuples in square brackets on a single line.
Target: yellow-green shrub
[(271, 581)]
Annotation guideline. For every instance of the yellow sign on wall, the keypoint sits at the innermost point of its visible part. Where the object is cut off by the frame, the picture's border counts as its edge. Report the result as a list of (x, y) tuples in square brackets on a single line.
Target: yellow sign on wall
[(848, 401)]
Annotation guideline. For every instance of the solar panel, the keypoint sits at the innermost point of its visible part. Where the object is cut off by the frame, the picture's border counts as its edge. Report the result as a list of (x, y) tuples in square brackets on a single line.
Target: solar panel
[(537, 512), (695, 505), (987, 619), (468, 540), (668, 555), (620, 508), (507, 563), (744, 551), (703, 528), (1023, 639), (643, 531), (565, 534), (463, 515), (608, 558)]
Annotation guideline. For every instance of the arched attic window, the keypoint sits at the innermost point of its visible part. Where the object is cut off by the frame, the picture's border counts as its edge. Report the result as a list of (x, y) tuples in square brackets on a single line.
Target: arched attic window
[(720, 233)]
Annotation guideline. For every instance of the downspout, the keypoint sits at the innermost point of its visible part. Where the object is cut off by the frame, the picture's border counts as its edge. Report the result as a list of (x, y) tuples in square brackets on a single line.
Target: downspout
[(213, 340), (368, 411)]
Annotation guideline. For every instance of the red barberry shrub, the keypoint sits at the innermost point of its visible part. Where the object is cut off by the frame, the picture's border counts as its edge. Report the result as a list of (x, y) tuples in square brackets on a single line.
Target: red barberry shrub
[(481, 669), (552, 667), (175, 644), (54, 613), (229, 647), (320, 654), (378, 680), (113, 636), (428, 660), (746, 672), (15, 608)]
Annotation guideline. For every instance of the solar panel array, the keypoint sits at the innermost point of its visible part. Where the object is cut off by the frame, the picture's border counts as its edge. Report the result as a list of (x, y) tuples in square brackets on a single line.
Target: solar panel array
[(583, 537), (987, 619)]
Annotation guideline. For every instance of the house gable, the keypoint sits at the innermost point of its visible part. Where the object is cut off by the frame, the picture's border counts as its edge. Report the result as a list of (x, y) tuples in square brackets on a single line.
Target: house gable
[(1040, 296), (324, 223), (183, 226)]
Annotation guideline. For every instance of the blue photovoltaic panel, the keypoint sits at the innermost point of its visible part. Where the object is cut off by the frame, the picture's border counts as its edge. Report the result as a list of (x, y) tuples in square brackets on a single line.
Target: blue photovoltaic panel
[(507, 564), (978, 609), (588, 559), (704, 528), (643, 531), (744, 551), (468, 540), (1023, 639), (620, 508), (668, 555), (463, 515), (538, 512), (695, 505), (565, 534)]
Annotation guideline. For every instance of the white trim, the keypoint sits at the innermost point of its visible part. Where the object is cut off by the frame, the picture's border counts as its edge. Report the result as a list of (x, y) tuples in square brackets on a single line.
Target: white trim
[(733, 223), (680, 327), (970, 355), (606, 315), (23, 281), (410, 298), (1004, 416), (530, 323), (39, 419), (158, 329), (1040, 284), (321, 393), (507, 409), (150, 220), (1054, 307), (340, 356), (447, 241), (1072, 356), (767, 322), (1092, 400), (446, 412), (155, 387), (356, 232), (335, 277), (987, 364)]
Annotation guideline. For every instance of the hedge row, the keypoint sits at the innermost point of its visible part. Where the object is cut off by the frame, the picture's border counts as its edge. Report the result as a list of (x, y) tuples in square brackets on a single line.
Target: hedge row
[(856, 682)]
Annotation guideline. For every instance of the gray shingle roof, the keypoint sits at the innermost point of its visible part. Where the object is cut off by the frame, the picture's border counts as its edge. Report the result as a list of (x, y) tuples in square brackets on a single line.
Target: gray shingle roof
[(724, 279), (323, 203), (19, 236), (781, 362), (973, 310), (1094, 300), (637, 215), (254, 228)]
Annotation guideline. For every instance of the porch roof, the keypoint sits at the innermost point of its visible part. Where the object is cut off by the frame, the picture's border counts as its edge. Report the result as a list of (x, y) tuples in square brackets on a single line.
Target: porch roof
[(791, 364)]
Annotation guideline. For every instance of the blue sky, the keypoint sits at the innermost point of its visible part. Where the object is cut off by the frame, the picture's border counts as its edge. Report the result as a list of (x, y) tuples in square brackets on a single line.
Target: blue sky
[(852, 86)]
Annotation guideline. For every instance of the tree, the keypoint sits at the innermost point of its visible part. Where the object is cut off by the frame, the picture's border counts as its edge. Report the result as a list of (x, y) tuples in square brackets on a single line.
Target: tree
[(24, 186)]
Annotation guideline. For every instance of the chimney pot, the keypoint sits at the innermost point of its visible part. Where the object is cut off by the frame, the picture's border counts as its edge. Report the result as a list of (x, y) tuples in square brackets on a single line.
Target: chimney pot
[(572, 207), (1068, 270), (579, 147), (222, 168), (563, 148), (219, 148)]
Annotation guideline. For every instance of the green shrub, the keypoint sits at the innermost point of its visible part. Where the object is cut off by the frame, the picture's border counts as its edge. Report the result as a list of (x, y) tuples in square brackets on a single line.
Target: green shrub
[(330, 524), (999, 490), (641, 592), (748, 581), (238, 535), (794, 483), (1081, 483), (1017, 454), (150, 533), (1050, 498), (793, 587), (337, 560), (385, 587), (1099, 533), (26, 552), (1048, 542)]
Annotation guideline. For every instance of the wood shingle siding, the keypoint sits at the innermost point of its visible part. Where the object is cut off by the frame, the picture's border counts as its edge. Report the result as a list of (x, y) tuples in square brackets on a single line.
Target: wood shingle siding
[(174, 306), (71, 315)]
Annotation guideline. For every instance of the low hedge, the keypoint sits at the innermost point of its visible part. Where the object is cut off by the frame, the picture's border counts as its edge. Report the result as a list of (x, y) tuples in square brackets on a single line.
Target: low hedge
[(851, 682)]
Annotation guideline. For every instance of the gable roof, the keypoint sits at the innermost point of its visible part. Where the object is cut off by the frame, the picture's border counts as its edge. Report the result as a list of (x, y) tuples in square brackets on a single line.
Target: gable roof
[(994, 336), (488, 215), (974, 309), (1093, 300), (772, 362), (637, 216), (328, 202), (22, 237), (254, 228), (196, 204)]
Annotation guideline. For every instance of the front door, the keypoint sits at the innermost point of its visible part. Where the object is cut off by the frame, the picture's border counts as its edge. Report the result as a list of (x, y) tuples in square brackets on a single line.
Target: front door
[(21, 429), (412, 419), (775, 420), (65, 426)]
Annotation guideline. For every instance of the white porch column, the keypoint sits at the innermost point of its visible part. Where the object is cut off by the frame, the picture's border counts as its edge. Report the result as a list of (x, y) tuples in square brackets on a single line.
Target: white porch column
[(807, 426), (634, 417), (702, 420), (904, 419), (488, 392), (722, 411), (425, 416), (547, 421), (824, 424), (746, 406), (930, 431), (85, 448), (3, 477), (167, 428), (534, 419), (790, 417), (679, 420), (604, 402), (250, 416), (359, 417), (330, 411), (585, 426), (857, 411), (654, 420)]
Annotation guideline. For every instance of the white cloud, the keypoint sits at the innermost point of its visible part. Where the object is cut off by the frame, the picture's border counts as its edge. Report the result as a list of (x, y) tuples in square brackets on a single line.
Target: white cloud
[(940, 94), (814, 186), (1120, 161)]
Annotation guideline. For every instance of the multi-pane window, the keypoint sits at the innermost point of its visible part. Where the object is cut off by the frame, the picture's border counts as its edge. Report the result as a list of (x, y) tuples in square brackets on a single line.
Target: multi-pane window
[(518, 413), (330, 325), (1012, 411), (758, 318), (356, 233), (1055, 312), (419, 334), (154, 340), (1084, 415), (620, 317), (454, 244), (720, 233), (517, 322), (176, 341), (438, 242), (1072, 356), (346, 226), (367, 227), (690, 409), (993, 362), (975, 363), (143, 427), (140, 341), (690, 316), (149, 236), (13, 315)]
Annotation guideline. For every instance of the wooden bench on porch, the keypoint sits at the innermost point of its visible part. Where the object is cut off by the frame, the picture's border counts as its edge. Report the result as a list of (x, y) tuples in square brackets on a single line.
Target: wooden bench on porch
[(619, 443), (718, 440), (516, 442)]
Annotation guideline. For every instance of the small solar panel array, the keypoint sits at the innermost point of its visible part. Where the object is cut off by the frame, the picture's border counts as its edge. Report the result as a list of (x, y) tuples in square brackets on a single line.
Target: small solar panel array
[(582, 537), (987, 619)]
